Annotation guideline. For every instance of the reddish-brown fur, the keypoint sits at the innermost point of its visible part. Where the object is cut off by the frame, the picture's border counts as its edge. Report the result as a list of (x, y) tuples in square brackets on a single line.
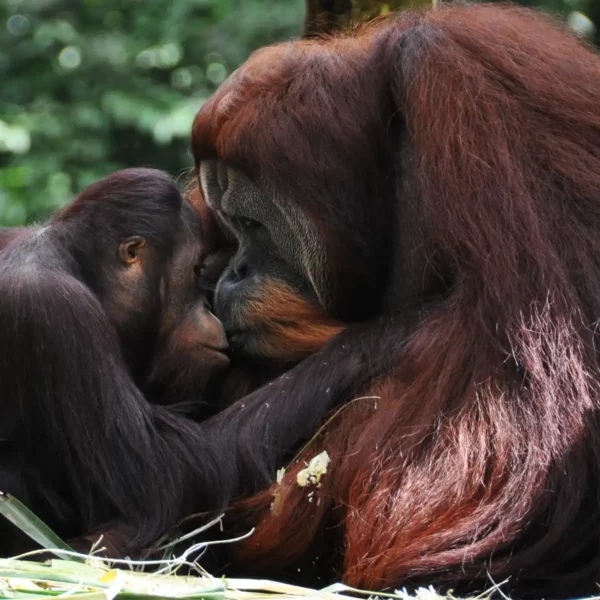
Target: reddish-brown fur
[(482, 453), (291, 327)]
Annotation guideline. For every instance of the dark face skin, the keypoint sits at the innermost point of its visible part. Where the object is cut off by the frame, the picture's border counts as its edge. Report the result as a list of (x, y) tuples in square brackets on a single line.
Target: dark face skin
[(191, 340), (273, 297)]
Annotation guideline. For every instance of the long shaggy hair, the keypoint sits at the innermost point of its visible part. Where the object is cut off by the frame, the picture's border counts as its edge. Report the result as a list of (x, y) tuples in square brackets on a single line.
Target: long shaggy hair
[(481, 452)]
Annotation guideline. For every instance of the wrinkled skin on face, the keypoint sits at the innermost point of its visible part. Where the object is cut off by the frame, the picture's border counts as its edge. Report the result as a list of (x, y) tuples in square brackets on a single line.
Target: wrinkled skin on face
[(274, 295)]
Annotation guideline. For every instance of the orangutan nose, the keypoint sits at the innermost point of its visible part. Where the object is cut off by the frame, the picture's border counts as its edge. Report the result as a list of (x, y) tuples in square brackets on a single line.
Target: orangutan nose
[(211, 330)]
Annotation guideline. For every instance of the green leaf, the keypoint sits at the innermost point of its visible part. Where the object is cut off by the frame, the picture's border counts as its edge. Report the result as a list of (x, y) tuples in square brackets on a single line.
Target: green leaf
[(20, 516)]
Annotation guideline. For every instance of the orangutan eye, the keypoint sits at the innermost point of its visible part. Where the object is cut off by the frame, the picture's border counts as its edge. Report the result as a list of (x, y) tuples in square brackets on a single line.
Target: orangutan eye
[(249, 224)]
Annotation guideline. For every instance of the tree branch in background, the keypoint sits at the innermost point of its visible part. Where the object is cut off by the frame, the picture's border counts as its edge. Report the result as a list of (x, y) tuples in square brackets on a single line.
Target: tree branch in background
[(327, 16)]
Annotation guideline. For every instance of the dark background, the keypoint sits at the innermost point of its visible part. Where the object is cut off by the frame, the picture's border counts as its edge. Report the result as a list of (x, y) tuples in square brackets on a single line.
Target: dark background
[(92, 86)]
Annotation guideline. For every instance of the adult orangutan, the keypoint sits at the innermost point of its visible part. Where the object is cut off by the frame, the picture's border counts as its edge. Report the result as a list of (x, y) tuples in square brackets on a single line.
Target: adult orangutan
[(431, 184)]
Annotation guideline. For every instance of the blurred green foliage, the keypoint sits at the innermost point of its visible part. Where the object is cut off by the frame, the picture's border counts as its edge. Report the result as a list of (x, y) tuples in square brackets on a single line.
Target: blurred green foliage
[(92, 86)]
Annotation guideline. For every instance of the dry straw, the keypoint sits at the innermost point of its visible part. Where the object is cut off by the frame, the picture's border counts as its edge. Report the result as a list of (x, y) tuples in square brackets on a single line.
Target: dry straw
[(92, 577)]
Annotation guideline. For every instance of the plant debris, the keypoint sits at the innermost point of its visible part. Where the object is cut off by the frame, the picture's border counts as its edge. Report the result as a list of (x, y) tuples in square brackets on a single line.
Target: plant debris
[(314, 471)]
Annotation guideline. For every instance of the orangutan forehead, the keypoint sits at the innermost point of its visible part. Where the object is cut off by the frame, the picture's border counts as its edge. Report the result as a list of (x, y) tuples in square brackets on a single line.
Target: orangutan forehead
[(247, 199), (281, 83)]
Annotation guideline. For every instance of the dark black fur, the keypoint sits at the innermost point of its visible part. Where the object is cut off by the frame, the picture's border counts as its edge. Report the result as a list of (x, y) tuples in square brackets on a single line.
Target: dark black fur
[(8, 234), (79, 443)]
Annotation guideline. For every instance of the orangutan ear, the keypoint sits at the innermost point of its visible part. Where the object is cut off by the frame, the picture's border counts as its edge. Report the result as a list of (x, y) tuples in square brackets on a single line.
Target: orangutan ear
[(130, 249)]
